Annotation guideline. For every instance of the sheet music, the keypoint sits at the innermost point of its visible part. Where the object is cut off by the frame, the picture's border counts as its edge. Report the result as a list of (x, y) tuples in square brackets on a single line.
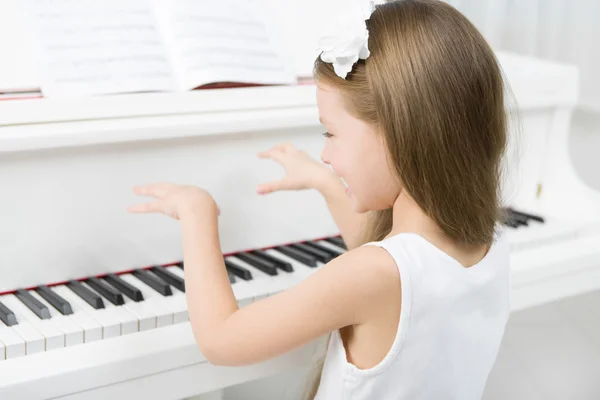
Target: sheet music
[(225, 40), (89, 47), (17, 66)]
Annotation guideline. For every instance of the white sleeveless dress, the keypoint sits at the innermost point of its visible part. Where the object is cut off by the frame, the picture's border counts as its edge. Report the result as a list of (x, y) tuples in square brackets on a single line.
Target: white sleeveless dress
[(451, 325)]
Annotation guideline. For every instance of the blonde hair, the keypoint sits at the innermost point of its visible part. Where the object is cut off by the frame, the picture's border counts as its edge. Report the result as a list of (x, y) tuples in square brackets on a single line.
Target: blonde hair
[(434, 88)]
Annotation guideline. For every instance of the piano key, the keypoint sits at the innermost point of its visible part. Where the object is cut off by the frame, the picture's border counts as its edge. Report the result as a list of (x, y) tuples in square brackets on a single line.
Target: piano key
[(55, 300), (38, 308), (84, 293), (332, 253), (238, 271), (7, 316), (74, 334), (92, 329), (331, 246), (304, 258), (318, 254), (283, 265), (128, 320), (14, 345), (153, 281), (301, 271), (179, 264), (264, 284), (105, 290), (124, 287), (111, 327), (169, 277), (263, 265), (166, 308), (153, 299), (528, 215), (133, 314), (34, 340), (112, 313), (54, 338), (231, 277), (511, 215), (338, 241)]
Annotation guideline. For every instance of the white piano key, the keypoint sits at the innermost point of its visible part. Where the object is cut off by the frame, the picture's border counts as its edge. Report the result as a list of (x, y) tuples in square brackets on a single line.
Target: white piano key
[(92, 330), (180, 301), (54, 337), (2, 351), (331, 246), (129, 322), (34, 340), (262, 284), (74, 334), (14, 344), (164, 315), (111, 327), (143, 312)]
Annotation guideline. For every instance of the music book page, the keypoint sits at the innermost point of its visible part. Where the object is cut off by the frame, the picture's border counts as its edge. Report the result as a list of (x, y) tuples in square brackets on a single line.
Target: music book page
[(90, 47), (17, 64), (222, 41)]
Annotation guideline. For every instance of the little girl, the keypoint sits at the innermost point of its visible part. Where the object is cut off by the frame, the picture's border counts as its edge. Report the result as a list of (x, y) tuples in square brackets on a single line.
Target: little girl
[(416, 128)]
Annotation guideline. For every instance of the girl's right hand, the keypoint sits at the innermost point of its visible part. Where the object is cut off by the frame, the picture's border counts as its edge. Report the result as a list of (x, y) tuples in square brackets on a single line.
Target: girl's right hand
[(301, 171)]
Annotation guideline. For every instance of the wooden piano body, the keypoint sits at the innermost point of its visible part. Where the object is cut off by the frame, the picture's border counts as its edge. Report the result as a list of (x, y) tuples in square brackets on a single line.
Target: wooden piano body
[(67, 168)]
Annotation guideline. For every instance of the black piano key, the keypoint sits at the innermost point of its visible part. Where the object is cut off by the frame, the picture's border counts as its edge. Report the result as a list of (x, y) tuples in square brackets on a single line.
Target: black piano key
[(318, 254), (281, 264), (86, 294), (268, 267), (33, 304), (169, 277), (510, 222), (231, 278), (106, 290), (520, 219), (238, 271), (331, 252), (338, 241), (63, 306), (7, 316), (527, 215), (300, 256), (153, 281), (126, 288)]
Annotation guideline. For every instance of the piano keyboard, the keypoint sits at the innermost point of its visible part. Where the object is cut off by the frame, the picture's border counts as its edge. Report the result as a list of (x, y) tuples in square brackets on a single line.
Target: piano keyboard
[(46, 318), (76, 312)]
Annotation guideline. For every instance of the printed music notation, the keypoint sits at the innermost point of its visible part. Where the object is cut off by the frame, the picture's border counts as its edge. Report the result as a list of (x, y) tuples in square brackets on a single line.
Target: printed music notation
[(89, 47)]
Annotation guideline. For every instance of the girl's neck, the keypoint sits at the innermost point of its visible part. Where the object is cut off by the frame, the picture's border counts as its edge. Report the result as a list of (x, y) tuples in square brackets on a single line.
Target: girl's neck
[(408, 217)]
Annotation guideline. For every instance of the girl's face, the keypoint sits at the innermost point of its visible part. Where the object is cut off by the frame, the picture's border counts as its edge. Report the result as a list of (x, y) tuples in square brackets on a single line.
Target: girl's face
[(357, 154)]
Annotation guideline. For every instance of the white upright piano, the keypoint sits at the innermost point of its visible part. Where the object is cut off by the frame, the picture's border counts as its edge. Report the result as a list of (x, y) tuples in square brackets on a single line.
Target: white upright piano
[(68, 246)]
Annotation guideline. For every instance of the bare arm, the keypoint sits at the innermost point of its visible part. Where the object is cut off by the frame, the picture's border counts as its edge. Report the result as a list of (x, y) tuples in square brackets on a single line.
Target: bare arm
[(303, 172)]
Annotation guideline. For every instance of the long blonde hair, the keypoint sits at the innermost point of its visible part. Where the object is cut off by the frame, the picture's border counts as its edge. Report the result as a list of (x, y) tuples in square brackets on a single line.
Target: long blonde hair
[(434, 87)]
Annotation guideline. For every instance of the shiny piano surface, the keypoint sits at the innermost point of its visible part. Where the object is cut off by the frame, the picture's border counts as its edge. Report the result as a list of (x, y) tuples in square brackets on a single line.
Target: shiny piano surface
[(68, 167)]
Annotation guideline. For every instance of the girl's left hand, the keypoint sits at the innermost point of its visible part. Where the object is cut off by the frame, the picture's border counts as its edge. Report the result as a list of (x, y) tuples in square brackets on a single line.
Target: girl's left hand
[(176, 201)]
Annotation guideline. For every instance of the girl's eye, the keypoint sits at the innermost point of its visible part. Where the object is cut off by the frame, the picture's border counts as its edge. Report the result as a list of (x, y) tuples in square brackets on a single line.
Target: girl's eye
[(327, 134)]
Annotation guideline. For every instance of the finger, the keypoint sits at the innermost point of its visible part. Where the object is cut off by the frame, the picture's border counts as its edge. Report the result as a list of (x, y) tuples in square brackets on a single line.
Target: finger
[(274, 154), (145, 208), (270, 187), (154, 190)]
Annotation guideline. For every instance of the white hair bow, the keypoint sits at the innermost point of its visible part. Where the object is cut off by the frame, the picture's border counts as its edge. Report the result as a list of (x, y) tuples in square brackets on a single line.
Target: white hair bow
[(347, 38)]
